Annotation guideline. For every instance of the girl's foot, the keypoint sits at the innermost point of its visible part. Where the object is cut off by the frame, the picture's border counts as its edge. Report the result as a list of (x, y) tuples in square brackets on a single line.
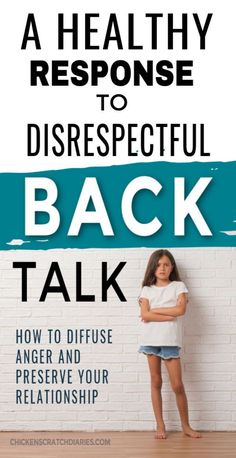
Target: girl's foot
[(161, 432), (191, 432)]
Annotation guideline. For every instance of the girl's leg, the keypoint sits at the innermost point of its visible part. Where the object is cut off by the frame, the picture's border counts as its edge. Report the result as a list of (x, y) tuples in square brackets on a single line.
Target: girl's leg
[(174, 370), (154, 363)]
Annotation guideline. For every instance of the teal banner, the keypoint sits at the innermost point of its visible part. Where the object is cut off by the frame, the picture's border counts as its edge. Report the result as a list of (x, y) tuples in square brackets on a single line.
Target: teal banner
[(215, 206)]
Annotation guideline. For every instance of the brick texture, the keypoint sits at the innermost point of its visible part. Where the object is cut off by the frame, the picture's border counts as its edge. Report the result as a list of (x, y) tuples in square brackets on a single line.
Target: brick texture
[(208, 353)]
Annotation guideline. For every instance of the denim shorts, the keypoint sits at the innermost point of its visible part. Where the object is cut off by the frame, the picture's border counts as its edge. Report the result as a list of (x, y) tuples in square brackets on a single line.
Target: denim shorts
[(163, 352)]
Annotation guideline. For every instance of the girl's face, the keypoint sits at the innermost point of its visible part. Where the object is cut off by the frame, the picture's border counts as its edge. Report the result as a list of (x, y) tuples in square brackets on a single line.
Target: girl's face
[(164, 269)]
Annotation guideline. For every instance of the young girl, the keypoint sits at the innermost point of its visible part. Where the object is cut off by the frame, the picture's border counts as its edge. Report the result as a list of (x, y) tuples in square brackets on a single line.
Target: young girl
[(163, 300)]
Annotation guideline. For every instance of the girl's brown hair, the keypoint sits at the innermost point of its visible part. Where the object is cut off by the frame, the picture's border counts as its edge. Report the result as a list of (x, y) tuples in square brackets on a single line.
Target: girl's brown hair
[(149, 277)]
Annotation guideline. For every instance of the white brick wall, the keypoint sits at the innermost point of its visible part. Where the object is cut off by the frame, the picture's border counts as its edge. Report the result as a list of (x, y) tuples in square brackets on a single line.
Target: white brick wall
[(208, 356)]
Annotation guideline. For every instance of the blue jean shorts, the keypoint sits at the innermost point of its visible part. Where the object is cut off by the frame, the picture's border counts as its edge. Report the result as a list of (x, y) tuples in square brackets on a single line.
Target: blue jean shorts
[(163, 352)]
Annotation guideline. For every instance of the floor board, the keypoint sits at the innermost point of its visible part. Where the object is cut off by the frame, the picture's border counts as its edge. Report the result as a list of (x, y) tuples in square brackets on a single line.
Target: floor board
[(122, 445)]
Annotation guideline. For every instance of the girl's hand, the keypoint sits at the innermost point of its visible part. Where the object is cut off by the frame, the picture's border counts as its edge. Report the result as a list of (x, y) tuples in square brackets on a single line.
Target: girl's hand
[(164, 318), (161, 311), (175, 311), (148, 315)]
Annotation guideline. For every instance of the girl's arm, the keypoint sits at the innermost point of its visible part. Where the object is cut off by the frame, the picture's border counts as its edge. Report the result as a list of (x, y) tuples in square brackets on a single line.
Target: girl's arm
[(149, 315), (178, 310)]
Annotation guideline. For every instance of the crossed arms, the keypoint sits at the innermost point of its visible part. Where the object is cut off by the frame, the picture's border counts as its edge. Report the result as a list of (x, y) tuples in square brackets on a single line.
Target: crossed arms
[(163, 313)]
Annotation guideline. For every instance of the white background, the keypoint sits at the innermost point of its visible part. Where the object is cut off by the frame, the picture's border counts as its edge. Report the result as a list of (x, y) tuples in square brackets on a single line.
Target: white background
[(210, 101)]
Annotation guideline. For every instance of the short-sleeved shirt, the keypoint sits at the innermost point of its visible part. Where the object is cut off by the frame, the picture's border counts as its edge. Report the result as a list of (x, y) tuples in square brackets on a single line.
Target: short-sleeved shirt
[(157, 333)]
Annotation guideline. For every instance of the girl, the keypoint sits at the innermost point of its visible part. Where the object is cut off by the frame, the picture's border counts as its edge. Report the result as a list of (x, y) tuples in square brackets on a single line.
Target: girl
[(163, 300)]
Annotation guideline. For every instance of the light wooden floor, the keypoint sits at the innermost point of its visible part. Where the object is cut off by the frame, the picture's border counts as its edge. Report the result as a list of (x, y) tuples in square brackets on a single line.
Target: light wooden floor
[(122, 445)]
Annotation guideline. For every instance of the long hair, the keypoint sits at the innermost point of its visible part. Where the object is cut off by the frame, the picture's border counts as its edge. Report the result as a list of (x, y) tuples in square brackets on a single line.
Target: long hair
[(149, 277)]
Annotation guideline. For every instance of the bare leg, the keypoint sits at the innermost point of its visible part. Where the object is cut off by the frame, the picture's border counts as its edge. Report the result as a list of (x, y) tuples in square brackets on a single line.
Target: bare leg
[(174, 369), (154, 363)]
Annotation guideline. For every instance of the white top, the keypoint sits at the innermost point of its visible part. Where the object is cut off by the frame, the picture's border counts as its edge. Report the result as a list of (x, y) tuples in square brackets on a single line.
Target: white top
[(158, 333)]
